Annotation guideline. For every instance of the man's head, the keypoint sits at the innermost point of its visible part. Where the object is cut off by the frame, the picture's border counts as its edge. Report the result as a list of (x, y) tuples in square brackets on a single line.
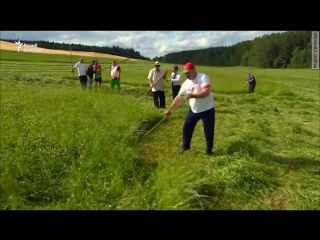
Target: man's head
[(175, 69), (93, 62), (114, 63), (157, 65), (81, 60), (190, 71), (97, 61), (248, 74)]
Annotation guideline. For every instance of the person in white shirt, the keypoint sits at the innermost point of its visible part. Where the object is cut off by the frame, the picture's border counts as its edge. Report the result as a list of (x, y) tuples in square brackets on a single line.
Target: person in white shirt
[(82, 73), (175, 79), (196, 89), (115, 72), (155, 73)]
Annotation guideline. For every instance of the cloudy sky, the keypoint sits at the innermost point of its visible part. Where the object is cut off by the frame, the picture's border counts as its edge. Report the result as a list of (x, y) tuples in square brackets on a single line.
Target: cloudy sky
[(148, 43)]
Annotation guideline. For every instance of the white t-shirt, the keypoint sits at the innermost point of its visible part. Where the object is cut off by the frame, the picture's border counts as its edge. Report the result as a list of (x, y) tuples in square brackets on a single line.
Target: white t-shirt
[(81, 69), (154, 76), (114, 70), (198, 105), (176, 80)]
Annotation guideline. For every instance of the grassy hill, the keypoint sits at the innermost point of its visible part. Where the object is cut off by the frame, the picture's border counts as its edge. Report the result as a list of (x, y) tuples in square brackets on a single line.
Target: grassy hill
[(64, 148)]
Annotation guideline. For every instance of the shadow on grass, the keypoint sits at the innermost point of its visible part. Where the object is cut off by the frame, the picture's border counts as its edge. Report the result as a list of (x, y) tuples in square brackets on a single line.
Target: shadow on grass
[(293, 163)]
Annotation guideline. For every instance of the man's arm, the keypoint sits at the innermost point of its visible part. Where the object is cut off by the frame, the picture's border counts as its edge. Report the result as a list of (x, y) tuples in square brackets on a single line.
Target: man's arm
[(150, 77), (164, 75), (178, 78), (250, 79), (74, 67), (178, 100), (119, 72), (205, 89), (169, 79), (175, 104)]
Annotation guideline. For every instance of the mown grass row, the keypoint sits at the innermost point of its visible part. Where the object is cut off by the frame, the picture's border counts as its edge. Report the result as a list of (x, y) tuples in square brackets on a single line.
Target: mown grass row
[(225, 80), (228, 82)]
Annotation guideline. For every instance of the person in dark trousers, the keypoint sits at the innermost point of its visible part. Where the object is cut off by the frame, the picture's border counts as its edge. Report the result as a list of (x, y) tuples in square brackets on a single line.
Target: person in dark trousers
[(82, 73), (175, 79), (90, 73), (159, 98), (196, 89), (252, 82), (98, 75)]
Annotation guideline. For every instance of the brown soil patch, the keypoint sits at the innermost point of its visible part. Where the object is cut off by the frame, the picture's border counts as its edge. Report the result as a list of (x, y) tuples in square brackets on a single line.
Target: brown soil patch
[(13, 47)]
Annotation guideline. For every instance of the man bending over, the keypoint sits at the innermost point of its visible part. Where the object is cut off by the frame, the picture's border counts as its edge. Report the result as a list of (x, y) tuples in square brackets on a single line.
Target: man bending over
[(196, 89)]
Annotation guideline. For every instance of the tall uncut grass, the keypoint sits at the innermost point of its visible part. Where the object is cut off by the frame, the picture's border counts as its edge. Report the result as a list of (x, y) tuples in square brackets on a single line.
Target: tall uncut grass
[(63, 149)]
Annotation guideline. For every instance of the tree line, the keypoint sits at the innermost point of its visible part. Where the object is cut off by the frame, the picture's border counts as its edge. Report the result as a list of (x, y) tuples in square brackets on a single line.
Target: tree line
[(114, 50), (277, 50)]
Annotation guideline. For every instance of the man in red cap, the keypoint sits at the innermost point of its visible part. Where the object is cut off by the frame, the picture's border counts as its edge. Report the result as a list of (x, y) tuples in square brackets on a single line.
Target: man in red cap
[(196, 89)]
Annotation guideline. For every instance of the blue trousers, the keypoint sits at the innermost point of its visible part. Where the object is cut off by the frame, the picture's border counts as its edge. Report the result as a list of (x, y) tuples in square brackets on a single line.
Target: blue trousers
[(90, 82), (252, 86), (208, 120)]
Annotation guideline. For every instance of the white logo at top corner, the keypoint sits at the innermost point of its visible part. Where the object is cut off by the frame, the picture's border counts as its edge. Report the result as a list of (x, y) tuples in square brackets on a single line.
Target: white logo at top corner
[(28, 47), (20, 45)]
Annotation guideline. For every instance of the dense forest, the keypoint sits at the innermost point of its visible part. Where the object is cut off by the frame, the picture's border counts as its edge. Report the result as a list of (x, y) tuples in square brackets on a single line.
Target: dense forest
[(115, 50), (278, 50)]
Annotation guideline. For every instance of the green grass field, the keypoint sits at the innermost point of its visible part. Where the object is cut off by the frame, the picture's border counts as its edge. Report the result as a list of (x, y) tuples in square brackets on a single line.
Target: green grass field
[(64, 148)]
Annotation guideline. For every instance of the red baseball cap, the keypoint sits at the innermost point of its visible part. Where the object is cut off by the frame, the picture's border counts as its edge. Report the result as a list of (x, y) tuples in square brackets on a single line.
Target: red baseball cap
[(187, 67)]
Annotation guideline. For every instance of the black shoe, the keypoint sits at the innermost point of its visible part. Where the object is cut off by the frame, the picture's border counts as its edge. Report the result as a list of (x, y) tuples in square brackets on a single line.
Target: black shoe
[(183, 150), (209, 153)]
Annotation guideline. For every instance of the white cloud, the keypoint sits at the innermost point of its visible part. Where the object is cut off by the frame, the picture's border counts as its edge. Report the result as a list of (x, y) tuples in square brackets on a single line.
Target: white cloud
[(148, 43)]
